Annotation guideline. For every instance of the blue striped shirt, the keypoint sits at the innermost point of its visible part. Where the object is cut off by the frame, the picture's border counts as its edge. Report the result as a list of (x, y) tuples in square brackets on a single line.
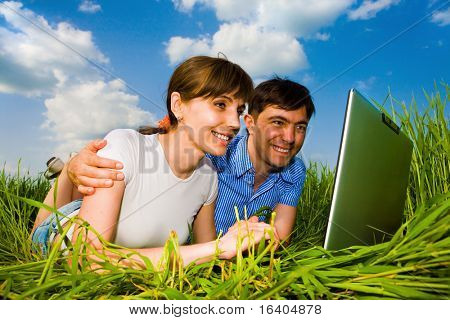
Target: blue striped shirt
[(236, 179)]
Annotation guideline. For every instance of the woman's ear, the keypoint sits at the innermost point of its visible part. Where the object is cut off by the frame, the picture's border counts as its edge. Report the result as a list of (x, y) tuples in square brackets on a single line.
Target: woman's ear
[(176, 105), (250, 123)]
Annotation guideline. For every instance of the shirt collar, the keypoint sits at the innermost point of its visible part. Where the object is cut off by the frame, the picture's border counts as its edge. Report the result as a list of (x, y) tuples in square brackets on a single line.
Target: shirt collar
[(286, 174), (241, 163), (240, 160)]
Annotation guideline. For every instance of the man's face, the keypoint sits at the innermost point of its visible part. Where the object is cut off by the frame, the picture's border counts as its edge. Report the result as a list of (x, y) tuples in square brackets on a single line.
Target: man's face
[(277, 135)]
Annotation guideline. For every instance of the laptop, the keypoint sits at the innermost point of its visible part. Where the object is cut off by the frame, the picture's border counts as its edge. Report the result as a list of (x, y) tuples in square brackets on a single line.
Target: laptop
[(371, 178)]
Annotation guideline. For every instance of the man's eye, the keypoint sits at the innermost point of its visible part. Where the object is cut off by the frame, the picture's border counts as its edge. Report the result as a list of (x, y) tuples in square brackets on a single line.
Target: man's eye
[(277, 123), (302, 128)]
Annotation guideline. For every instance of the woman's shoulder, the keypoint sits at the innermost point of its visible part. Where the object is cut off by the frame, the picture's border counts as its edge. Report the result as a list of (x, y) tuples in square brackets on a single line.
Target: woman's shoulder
[(122, 134), (130, 137), (122, 145)]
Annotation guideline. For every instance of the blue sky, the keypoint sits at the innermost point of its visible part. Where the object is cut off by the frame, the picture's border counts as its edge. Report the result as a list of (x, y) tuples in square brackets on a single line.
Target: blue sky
[(52, 101)]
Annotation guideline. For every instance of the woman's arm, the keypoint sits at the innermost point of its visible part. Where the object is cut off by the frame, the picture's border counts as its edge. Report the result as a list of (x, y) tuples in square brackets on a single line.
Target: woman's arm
[(102, 209), (203, 226)]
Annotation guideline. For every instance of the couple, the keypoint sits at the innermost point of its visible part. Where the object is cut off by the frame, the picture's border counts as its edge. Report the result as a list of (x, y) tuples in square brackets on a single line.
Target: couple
[(191, 171)]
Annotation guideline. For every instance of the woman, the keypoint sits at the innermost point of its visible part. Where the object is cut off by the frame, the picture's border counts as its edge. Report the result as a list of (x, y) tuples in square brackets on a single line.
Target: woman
[(169, 183)]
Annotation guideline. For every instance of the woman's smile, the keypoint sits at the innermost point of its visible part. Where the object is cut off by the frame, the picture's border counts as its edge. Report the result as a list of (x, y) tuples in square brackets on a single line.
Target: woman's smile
[(223, 139)]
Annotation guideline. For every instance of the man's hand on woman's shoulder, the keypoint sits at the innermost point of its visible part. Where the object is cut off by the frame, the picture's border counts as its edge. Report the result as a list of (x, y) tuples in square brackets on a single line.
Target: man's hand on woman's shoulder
[(88, 171)]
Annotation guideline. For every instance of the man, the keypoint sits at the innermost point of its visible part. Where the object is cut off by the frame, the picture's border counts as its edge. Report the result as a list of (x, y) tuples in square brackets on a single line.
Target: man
[(259, 168)]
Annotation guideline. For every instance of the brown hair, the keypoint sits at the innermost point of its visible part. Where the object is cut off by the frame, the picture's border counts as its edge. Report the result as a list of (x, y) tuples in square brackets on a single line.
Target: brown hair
[(283, 93), (204, 77)]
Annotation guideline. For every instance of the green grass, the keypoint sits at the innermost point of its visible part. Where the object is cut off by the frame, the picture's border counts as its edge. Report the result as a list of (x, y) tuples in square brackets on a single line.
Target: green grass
[(413, 265)]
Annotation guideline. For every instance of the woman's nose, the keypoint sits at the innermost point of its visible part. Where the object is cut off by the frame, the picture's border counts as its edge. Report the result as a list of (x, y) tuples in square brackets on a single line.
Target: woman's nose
[(232, 120)]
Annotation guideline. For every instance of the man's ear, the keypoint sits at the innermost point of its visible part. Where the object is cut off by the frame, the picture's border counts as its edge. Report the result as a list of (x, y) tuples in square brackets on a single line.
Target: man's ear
[(250, 123), (176, 105)]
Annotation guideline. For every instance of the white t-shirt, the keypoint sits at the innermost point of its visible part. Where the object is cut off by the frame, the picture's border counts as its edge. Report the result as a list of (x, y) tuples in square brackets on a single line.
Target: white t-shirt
[(155, 201)]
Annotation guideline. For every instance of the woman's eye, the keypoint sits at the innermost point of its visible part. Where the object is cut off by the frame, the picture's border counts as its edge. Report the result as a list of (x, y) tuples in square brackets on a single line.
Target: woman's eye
[(220, 105)]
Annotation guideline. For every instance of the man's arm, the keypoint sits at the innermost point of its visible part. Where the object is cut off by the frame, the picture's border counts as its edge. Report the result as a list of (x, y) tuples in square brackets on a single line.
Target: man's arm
[(88, 171), (286, 208), (285, 220)]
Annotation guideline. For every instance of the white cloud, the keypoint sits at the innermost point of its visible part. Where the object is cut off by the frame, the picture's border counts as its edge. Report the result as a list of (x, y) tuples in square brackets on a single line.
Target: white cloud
[(179, 48), (322, 36), (229, 10), (307, 79), (441, 18), (226, 10), (89, 110), (255, 48), (184, 5), (300, 18), (252, 47), (369, 9), (81, 104), (88, 6), (261, 35), (297, 17), (34, 63), (365, 85)]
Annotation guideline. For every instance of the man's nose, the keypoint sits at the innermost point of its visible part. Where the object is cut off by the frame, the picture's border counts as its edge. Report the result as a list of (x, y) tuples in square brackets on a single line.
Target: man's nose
[(289, 134)]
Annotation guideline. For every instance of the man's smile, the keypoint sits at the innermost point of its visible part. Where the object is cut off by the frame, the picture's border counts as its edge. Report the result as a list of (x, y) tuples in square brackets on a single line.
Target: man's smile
[(281, 150)]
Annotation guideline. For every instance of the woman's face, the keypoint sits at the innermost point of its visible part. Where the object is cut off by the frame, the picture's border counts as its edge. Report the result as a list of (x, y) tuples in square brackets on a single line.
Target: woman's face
[(212, 123)]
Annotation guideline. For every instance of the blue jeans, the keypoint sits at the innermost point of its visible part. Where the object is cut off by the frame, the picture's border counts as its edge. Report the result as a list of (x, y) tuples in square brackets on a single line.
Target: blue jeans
[(41, 235)]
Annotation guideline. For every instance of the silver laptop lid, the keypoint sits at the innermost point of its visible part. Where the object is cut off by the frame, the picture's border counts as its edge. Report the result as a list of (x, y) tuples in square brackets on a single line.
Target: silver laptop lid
[(371, 177)]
